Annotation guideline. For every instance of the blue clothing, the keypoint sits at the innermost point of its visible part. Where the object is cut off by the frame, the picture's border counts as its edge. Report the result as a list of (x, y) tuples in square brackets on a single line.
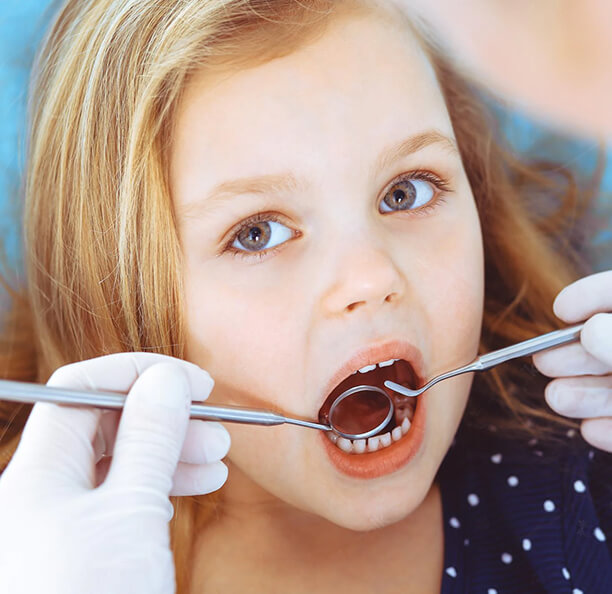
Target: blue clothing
[(517, 519)]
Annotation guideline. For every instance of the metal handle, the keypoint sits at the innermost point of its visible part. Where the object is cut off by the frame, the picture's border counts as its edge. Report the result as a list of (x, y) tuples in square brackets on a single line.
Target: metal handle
[(529, 347), (31, 393), (522, 349)]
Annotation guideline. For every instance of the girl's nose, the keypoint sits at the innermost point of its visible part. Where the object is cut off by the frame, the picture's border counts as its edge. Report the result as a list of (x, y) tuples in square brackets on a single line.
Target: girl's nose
[(365, 278)]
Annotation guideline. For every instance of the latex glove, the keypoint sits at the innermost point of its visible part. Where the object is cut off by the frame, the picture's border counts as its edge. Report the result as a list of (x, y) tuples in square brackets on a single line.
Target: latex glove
[(584, 389), (61, 533)]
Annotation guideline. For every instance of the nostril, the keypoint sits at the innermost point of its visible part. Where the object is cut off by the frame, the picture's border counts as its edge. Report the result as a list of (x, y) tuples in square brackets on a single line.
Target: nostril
[(388, 299), (352, 306), (391, 297)]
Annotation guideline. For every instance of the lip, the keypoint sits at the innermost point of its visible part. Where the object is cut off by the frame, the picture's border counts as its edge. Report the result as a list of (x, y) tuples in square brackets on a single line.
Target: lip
[(376, 464), (391, 349)]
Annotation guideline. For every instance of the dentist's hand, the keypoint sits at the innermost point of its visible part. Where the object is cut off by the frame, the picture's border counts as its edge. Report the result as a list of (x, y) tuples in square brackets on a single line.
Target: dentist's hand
[(73, 521), (584, 389)]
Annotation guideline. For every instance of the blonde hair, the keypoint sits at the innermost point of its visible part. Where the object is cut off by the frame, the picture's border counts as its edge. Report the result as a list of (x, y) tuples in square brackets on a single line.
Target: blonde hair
[(102, 253)]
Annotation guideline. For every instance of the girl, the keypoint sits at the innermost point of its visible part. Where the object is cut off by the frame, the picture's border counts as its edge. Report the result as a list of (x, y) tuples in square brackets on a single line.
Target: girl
[(283, 194)]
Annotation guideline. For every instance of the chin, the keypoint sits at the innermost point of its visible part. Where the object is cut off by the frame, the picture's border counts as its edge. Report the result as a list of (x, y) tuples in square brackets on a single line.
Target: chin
[(370, 519), (376, 508)]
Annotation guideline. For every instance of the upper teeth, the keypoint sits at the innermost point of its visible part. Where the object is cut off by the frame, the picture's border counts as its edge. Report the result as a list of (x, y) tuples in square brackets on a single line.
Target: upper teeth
[(373, 366)]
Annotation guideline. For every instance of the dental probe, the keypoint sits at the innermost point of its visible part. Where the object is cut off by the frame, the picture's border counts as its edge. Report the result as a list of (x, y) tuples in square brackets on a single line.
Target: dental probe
[(484, 362), (30, 393)]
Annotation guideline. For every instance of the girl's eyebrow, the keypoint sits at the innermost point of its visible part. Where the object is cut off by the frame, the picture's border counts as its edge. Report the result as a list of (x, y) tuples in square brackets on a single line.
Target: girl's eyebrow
[(287, 182), (411, 145)]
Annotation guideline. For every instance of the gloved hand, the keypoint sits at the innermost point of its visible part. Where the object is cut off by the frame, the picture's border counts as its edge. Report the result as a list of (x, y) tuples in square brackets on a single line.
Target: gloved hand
[(584, 389), (71, 526)]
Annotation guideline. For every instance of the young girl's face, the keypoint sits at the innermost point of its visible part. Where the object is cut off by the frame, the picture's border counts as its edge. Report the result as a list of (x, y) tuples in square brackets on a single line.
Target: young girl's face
[(327, 223)]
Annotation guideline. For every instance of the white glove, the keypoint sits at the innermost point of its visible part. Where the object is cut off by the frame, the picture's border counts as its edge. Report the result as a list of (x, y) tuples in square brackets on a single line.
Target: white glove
[(585, 390), (63, 529)]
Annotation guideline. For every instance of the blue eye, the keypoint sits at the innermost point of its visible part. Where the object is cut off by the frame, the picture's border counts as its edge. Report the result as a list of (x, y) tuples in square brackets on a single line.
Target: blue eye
[(408, 194), (260, 235)]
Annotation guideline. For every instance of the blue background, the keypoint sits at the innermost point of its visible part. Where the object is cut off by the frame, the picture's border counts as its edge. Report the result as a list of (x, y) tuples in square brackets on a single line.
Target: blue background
[(22, 24)]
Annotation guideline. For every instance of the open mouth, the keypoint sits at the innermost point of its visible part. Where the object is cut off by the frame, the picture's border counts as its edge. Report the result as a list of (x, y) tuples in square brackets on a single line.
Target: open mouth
[(397, 370)]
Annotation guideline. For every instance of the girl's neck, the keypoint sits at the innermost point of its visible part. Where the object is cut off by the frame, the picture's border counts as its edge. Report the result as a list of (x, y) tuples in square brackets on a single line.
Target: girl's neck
[(258, 537)]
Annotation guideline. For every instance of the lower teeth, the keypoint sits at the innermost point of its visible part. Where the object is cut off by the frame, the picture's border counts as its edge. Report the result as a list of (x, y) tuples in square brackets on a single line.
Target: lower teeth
[(373, 444)]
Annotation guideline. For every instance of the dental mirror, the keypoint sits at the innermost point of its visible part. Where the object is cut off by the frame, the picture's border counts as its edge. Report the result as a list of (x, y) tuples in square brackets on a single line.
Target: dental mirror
[(358, 413)]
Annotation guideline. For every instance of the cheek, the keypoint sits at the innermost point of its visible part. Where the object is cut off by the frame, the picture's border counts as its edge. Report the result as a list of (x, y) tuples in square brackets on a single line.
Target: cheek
[(453, 292), (240, 333)]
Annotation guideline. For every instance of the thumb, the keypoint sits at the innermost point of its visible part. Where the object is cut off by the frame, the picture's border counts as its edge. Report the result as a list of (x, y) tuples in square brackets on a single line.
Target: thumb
[(151, 431), (596, 337)]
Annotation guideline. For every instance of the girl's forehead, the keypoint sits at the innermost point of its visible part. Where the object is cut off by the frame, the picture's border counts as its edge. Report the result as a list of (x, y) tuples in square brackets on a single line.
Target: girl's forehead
[(354, 57), (363, 83)]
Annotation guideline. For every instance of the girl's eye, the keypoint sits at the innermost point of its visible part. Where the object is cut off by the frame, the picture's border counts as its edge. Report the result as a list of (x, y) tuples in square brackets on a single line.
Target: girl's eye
[(408, 194), (259, 235)]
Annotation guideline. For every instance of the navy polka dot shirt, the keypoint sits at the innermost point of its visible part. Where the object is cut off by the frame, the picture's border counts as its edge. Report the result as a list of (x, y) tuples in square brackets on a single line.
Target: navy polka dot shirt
[(518, 519)]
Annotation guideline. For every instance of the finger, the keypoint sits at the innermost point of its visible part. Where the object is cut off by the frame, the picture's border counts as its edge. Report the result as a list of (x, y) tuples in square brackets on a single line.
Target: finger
[(109, 424), (189, 479), (581, 397), (198, 479), (571, 359), (57, 440), (598, 432), (99, 445), (119, 371), (596, 337), (205, 444), (585, 297), (102, 468), (205, 441), (152, 430)]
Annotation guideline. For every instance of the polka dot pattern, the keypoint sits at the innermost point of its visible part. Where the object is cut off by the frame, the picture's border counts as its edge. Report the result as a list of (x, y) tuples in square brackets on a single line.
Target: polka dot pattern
[(526, 544), (579, 486), (599, 535), (565, 572), (511, 510)]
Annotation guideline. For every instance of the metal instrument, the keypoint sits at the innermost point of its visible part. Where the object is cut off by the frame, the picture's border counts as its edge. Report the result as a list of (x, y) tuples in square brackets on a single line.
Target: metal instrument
[(484, 362), (364, 397)]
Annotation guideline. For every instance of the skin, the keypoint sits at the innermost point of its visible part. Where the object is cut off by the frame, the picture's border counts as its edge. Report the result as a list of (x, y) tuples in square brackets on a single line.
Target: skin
[(552, 56), (272, 331)]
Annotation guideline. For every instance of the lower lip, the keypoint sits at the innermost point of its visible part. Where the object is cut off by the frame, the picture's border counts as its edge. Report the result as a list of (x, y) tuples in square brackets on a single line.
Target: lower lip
[(385, 461)]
